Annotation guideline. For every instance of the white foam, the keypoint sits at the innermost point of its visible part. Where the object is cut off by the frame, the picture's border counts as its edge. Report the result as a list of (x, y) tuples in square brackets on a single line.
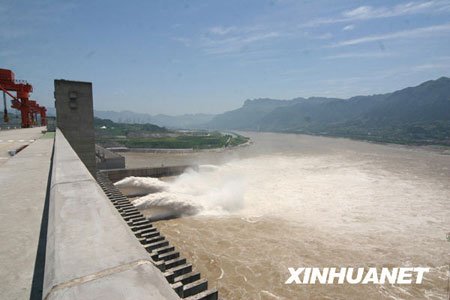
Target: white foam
[(209, 191), (137, 185)]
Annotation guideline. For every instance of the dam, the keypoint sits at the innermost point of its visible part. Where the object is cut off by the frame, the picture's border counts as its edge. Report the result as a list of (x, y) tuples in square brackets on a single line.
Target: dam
[(66, 232)]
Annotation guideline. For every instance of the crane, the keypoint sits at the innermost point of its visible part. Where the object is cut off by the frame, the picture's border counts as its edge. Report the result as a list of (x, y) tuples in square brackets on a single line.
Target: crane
[(28, 108)]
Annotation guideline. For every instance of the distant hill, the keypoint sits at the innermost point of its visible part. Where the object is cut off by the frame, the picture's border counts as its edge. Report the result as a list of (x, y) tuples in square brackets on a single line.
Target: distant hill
[(249, 115), (418, 115), (14, 118), (125, 128), (186, 121)]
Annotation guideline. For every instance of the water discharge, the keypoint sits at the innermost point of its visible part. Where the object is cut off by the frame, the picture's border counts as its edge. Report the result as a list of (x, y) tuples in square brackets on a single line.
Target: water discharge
[(299, 201), (209, 191)]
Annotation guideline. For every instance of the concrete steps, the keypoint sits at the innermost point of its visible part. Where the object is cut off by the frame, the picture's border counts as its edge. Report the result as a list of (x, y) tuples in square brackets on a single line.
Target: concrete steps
[(187, 283)]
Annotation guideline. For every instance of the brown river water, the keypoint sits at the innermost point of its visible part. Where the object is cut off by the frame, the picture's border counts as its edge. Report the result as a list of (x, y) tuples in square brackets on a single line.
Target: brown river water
[(302, 201)]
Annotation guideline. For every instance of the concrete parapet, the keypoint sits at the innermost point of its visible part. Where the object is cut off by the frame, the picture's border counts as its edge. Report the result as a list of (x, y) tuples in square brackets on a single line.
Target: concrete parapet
[(108, 160), (91, 254), (153, 150), (118, 174)]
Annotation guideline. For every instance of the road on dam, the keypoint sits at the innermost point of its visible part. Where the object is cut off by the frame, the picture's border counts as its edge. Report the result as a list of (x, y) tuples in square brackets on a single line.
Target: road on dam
[(23, 185), (15, 138)]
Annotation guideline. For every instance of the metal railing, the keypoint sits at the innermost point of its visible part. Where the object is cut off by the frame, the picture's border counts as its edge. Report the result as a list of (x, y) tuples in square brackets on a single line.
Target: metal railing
[(20, 81)]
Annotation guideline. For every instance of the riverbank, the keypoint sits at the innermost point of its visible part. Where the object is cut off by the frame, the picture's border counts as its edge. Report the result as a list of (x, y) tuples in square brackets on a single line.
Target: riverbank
[(173, 142), (440, 148), (386, 138), (175, 151)]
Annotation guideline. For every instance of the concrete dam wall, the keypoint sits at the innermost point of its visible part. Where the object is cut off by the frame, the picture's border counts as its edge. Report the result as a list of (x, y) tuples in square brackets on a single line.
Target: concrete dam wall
[(69, 235), (91, 254), (118, 174), (100, 246)]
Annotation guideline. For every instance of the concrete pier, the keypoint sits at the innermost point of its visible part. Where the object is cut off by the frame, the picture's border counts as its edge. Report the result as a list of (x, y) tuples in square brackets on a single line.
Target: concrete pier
[(75, 118), (108, 160)]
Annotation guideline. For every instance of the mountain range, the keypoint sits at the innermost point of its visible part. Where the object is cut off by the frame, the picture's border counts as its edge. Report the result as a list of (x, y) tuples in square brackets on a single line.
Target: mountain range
[(418, 114), (186, 121)]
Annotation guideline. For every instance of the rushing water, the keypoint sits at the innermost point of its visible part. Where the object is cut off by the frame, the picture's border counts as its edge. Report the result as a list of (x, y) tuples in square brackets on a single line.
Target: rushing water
[(302, 201)]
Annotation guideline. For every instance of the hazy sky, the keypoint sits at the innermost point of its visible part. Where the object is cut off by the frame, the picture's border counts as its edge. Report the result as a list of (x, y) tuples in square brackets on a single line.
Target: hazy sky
[(179, 57)]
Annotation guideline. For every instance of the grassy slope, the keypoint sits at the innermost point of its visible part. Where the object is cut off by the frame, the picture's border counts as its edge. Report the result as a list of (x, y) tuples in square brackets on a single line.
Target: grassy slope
[(120, 134)]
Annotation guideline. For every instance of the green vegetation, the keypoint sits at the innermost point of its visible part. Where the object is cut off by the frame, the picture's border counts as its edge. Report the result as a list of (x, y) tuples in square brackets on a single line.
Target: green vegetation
[(409, 133), (111, 134), (238, 140), (111, 128), (179, 142)]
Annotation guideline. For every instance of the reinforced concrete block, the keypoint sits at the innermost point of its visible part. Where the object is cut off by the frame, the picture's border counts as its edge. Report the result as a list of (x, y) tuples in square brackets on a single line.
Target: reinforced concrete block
[(187, 278), (75, 118), (195, 287)]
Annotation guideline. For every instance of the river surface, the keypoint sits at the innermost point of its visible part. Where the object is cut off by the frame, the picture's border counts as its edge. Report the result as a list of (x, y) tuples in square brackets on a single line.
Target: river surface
[(304, 201)]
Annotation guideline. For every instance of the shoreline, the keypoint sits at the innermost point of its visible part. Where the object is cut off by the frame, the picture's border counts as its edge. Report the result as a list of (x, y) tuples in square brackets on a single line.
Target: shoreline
[(175, 151), (437, 148)]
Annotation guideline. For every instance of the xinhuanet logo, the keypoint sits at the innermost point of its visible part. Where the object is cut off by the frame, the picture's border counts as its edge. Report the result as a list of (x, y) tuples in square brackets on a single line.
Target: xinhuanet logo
[(356, 275)]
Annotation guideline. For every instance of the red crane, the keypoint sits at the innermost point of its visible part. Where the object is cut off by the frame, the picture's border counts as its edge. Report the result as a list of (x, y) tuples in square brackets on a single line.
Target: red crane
[(28, 108), (43, 112), (33, 111)]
